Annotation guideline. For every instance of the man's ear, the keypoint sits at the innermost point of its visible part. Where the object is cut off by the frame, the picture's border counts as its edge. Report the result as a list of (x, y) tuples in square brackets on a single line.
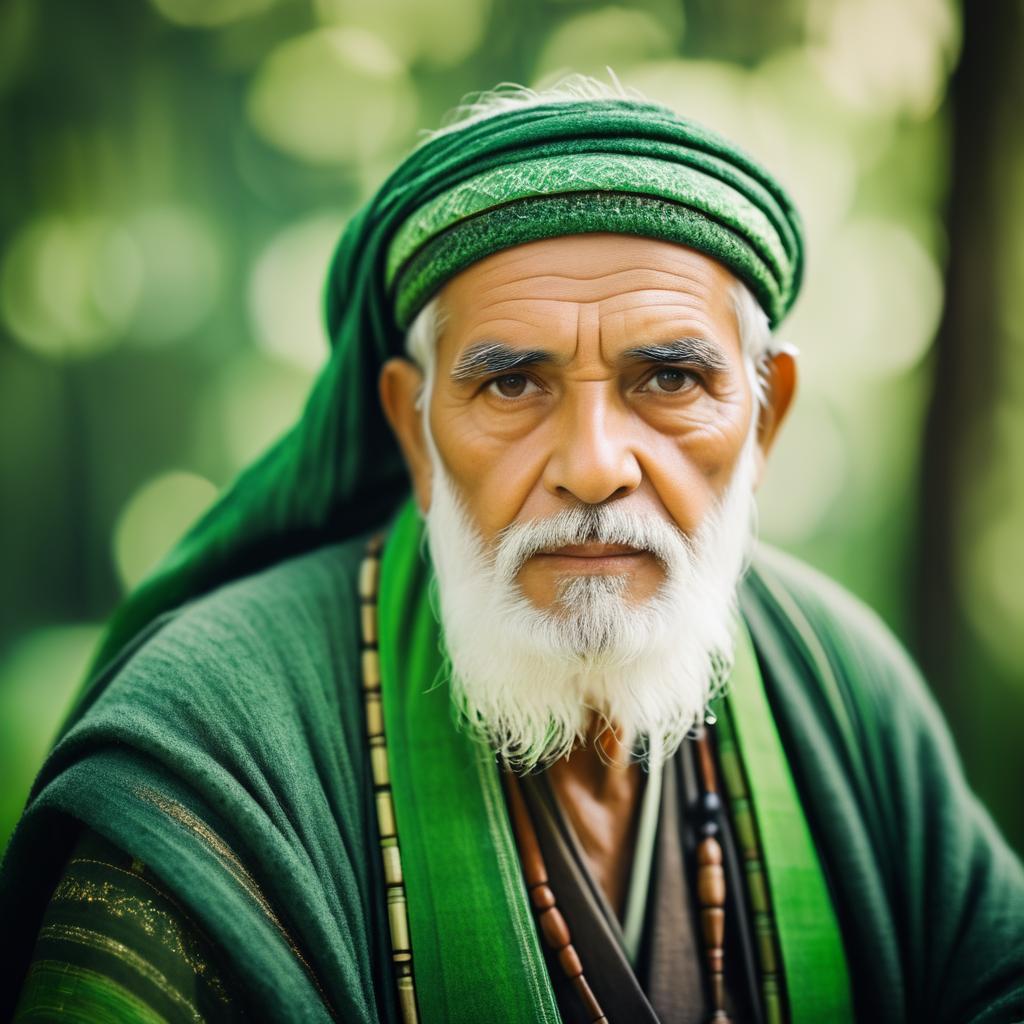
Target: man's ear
[(779, 388), (401, 385)]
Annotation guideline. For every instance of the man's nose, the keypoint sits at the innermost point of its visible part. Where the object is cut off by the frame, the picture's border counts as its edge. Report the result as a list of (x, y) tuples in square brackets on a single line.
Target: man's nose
[(593, 458)]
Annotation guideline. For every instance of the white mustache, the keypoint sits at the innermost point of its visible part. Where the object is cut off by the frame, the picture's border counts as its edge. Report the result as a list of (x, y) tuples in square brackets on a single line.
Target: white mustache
[(582, 524)]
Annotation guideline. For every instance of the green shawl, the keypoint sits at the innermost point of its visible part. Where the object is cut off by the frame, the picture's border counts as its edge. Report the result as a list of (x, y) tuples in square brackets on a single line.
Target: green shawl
[(225, 749)]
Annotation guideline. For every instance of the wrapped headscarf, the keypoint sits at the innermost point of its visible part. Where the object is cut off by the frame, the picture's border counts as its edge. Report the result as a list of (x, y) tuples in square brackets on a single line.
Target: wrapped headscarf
[(551, 169)]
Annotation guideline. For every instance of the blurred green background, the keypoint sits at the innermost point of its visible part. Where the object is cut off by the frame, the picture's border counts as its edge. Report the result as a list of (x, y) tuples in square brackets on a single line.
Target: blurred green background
[(175, 174)]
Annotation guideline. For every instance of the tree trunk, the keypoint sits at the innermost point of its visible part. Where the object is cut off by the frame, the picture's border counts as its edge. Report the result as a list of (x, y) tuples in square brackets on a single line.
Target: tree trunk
[(987, 109)]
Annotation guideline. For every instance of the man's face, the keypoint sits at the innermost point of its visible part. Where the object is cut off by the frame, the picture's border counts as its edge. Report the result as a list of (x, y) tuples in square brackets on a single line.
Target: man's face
[(588, 370), (586, 462)]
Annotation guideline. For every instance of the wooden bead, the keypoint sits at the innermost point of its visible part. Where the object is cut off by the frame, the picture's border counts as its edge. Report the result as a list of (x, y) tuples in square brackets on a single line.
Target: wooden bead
[(718, 995), (709, 852), (385, 815), (398, 920), (553, 926), (570, 961), (766, 945), (392, 862), (706, 761), (542, 896), (711, 885), (556, 931), (593, 1007), (407, 1000), (530, 857), (743, 820), (756, 888), (712, 920)]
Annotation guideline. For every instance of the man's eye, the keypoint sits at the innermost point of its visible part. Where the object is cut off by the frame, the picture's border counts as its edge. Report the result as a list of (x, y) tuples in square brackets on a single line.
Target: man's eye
[(670, 380), (512, 385)]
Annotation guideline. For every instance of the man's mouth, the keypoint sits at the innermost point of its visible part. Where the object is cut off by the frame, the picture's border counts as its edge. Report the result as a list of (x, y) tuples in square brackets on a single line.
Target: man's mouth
[(593, 549)]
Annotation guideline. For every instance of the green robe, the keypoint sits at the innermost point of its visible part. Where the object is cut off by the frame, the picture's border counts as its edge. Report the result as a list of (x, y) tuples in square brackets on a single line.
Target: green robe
[(224, 748)]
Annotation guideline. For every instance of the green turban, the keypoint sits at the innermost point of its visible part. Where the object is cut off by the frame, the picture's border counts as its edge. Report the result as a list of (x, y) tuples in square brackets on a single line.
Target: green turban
[(559, 168)]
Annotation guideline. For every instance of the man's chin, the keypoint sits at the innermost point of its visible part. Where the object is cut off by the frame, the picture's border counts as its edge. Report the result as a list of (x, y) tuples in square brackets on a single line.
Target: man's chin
[(554, 592)]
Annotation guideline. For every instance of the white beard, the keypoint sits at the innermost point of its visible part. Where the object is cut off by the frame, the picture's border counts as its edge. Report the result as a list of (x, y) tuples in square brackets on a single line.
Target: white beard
[(528, 681)]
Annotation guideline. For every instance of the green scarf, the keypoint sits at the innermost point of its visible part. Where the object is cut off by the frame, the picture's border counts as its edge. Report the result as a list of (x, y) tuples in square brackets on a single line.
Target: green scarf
[(459, 859)]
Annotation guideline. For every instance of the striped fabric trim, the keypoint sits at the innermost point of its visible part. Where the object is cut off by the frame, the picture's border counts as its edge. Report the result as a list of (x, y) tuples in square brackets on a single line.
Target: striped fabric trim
[(99, 943), (59, 991), (748, 840), (113, 945)]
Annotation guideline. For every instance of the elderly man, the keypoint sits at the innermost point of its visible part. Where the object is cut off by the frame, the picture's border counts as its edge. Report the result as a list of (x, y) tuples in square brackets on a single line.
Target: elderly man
[(623, 767)]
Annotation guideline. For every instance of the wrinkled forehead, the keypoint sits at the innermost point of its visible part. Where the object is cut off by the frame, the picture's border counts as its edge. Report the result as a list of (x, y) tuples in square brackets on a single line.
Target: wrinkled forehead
[(614, 289)]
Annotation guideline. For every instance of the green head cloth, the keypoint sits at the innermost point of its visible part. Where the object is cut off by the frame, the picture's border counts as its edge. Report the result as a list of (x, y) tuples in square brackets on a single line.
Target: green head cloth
[(555, 169), (695, 190)]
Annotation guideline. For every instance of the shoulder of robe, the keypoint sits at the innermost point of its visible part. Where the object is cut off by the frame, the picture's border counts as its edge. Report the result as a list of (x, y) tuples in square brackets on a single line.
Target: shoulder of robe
[(277, 648), (930, 895), (301, 601), (225, 749), (842, 637)]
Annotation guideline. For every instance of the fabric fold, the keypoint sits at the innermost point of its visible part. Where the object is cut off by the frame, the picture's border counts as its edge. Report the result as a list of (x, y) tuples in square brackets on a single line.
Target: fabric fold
[(476, 954)]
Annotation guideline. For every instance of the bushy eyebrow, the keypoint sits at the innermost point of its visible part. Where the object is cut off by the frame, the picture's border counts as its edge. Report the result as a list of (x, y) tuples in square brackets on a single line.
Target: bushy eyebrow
[(693, 351), (490, 357), (487, 357)]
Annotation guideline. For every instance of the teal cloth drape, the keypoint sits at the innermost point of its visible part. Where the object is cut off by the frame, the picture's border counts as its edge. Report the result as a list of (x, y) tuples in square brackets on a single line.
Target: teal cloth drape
[(226, 751)]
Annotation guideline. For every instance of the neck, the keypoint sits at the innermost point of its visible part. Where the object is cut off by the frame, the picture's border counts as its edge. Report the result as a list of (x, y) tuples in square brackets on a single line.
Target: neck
[(602, 764), (598, 788)]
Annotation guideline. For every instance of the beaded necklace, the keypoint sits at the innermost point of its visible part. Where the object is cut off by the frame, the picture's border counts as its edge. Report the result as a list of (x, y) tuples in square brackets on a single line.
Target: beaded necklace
[(711, 894), (710, 890)]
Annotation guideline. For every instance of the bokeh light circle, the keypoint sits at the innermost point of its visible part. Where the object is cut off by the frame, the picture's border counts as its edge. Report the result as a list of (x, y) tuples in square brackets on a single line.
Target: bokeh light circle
[(995, 568), (286, 290), (248, 405), (335, 95), (182, 272), (590, 42), (69, 286), (871, 304), (881, 56), (154, 518), (437, 35), (805, 474), (39, 675)]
